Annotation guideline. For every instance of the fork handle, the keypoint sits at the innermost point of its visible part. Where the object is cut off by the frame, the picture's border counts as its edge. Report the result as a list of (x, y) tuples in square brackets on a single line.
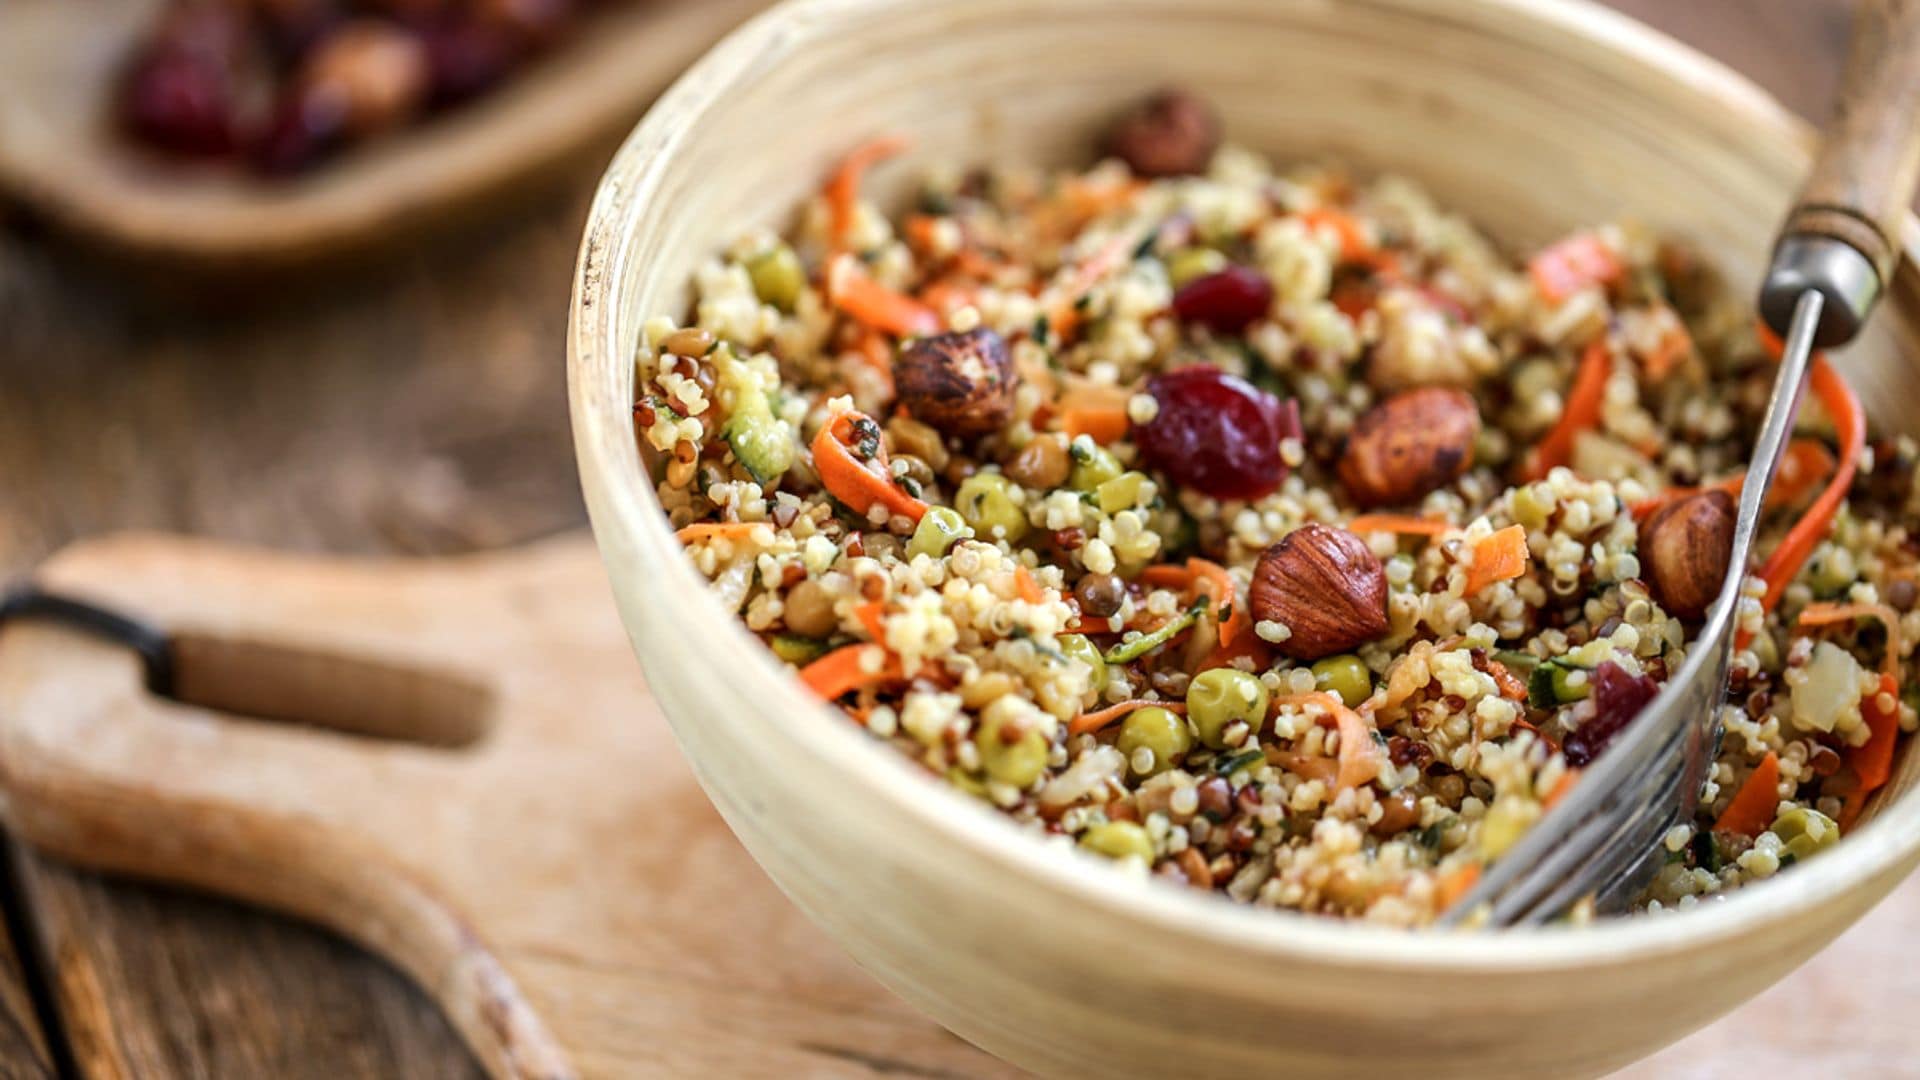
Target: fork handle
[(1843, 233)]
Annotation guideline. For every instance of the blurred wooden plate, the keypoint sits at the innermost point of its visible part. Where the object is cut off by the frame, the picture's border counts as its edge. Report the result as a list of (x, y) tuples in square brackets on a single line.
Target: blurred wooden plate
[(60, 159)]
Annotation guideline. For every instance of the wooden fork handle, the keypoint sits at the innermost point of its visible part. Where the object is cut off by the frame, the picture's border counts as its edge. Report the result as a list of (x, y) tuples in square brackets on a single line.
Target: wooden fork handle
[(1869, 162)]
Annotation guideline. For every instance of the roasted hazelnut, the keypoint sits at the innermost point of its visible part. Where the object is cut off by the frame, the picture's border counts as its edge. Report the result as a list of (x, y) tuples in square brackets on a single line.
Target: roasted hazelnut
[(1409, 445), (373, 72), (1042, 464), (1684, 550), (1172, 133), (1100, 595), (960, 383), (1901, 593), (1325, 586)]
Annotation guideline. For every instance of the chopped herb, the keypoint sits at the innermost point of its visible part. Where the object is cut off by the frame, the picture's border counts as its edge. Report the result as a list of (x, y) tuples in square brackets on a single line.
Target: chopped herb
[(1042, 330), (1145, 247), (1227, 766), (1706, 852), (1146, 643)]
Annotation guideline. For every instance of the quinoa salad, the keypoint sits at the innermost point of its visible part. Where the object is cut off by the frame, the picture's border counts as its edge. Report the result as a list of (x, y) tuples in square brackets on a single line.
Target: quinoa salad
[(1272, 533)]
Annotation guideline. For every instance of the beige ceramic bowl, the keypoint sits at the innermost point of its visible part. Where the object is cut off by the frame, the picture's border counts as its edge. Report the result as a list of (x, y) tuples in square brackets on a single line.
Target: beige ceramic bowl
[(1531, 117)]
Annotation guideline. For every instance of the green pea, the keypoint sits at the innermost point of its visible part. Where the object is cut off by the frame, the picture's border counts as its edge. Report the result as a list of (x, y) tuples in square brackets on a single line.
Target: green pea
[(967, 782), (1154, 728), (1804, 831), (1118, 840), (939, 528), (1012, 748), (1565, 689), (1194, 262), (1120, 493), (985, 500), (777, 276), (1346, 676), (1080, 647), (1092, 465), (795, 649), (1218, 697)]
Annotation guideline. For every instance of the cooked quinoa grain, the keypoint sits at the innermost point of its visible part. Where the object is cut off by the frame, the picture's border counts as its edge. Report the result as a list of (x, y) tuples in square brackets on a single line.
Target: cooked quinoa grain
[(1275, 534)]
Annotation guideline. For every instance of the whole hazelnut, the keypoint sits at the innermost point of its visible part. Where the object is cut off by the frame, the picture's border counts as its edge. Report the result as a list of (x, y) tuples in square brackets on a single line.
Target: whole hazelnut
[(1684, 551), (959, 383), (1409, 445), (1325, 585), (1172, 133)]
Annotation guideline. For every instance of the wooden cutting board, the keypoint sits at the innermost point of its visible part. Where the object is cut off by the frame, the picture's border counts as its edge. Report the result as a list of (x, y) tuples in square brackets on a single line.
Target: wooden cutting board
[(456, 764)]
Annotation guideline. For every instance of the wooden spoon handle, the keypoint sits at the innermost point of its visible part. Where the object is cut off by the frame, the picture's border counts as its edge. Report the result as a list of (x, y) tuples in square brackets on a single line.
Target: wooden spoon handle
[(1863, 179)]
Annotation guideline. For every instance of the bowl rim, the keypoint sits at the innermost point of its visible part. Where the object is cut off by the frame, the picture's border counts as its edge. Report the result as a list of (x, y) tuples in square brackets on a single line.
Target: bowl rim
[(626, 516)]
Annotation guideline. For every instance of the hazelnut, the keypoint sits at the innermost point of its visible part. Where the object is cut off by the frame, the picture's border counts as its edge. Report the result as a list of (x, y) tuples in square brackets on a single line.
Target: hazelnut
[(1399, 812), (1684, 550), (373, 71), (1325, 586), (1172, 133), (960, 383), (1408, 445)]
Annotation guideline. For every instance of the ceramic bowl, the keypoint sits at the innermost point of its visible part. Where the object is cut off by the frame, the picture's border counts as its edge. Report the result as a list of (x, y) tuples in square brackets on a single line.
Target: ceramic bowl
[(1531, 117)]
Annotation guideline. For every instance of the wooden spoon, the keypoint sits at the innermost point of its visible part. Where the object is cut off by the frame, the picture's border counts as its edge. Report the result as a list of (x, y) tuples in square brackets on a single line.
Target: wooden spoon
[(59, 157)]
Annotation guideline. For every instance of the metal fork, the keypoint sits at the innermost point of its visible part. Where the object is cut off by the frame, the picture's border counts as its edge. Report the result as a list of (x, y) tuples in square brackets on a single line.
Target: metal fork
[(1834, 254)]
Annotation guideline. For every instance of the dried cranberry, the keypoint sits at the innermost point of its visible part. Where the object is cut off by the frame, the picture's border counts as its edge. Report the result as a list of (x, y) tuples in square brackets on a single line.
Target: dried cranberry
[(1617, 698), (1217, 433), (1226, 301), (305, 128), (466, 58), (179, 102)]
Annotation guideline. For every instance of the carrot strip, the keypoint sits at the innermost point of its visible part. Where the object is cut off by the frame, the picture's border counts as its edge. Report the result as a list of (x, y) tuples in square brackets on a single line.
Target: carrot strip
[(1454, 884), (1026, 586), (1100, 718), (708, 530), (1827, 613), (1166, 576), (1560, 788), (842, 189), (1672, 348), (1359, 754), (1219, 587), (844, 670), (1582, 411), (1101, 425), (1400, 523), (1872, 761), (1752, 809), (1354, 243), (1325, 770), (1562, 269), (859, 484), (1850, 424), (869, 616), (1500, 557), (867, 301)]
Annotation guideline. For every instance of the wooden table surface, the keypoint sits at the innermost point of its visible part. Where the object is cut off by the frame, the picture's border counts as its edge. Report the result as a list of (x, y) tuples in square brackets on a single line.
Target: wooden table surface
[(418, 408)]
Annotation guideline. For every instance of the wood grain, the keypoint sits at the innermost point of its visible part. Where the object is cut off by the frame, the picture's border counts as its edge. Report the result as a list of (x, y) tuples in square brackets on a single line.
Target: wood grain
[(414, 410), (1863, 178)]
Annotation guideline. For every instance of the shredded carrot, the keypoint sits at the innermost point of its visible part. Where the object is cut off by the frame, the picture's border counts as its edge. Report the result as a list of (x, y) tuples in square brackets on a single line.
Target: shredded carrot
[(1872, 761), (1826, 613), (1454, 884), (1673, 347), (1500, 557), (859, 484), (1211, 579), (1166, 576), (853, 290), (1354, 243), (1560, 788), (1101, 425), (1100, 718), (869, 616), (1400, 523), (1026, 586), (1806, 463), (1063, 315), (708, 530), (1752, 809), (1582, 411), (844, 670), (1359, 754), (1325, 770), (1850, 425), (842, 190), (1580, 260)]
